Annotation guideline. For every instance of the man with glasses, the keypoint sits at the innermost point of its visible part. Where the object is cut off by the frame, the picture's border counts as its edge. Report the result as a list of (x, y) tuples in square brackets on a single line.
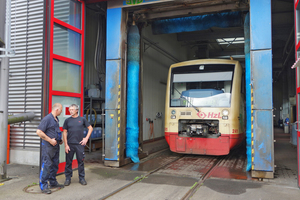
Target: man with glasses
[(49, 131), (74, 143)]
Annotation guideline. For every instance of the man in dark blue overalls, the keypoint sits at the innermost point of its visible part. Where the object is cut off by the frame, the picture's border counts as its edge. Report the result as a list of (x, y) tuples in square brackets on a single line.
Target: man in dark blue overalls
[(49, 131)]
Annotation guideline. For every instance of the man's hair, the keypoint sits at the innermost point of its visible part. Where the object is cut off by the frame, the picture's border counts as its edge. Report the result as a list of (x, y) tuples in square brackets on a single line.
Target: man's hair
[(56, 106), (75, 106)]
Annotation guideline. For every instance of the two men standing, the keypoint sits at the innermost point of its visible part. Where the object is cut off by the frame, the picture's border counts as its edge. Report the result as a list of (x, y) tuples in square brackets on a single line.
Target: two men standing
[(74, 141)]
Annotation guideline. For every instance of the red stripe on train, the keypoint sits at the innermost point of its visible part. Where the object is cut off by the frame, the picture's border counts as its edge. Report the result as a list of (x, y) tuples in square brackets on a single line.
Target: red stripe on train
[(203, 146)]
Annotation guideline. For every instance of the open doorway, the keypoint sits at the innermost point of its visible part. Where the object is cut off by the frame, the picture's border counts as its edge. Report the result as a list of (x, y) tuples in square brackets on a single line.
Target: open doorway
[(94, 72)]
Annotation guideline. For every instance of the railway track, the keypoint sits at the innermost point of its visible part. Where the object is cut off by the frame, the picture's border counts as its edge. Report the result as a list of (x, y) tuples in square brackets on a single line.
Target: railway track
[(203, 167), (205, 176)]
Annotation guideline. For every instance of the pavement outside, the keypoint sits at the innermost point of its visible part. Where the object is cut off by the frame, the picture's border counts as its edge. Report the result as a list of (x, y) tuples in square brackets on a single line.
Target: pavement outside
[(104, 180)]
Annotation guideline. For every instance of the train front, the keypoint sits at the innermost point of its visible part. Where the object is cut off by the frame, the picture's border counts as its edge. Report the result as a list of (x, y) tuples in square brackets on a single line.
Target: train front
[(204, 107)]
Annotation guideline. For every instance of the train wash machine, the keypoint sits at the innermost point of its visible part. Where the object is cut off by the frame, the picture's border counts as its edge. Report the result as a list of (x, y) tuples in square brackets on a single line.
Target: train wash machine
[(119, 61)]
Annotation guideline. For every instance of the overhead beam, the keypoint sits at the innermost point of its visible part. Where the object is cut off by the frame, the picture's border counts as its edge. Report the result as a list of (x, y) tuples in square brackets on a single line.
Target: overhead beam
[(190, 11), (178, 5)]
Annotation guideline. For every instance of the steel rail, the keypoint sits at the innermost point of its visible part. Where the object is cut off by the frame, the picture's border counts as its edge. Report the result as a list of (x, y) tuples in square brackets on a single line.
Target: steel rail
[(206, 175), (139, 179)]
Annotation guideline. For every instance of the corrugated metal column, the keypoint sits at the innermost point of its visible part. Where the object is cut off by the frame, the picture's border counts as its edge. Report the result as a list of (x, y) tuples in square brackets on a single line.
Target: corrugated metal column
[(114, 154), (261, 74)]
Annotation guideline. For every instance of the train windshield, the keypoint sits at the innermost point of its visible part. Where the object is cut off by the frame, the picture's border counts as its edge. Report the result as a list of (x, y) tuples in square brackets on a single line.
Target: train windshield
[(206, 85)]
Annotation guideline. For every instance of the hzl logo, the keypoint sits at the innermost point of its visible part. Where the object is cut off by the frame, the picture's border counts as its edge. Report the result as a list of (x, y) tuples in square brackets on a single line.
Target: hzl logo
[(133, 2), (202, 115)]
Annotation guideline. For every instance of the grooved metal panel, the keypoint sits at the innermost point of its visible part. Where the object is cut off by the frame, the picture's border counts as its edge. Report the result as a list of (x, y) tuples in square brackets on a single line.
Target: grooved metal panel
[(113, 48), (113, 80), (261, 68), (260, 30), (25, 69), (263, 148)]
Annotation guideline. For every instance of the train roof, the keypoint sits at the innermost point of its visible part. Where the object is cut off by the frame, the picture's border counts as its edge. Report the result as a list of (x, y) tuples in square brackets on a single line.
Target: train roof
[(205, 61)]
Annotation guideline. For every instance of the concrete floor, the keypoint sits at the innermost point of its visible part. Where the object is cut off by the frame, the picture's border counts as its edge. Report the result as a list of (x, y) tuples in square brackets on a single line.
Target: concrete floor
[(104, 180)]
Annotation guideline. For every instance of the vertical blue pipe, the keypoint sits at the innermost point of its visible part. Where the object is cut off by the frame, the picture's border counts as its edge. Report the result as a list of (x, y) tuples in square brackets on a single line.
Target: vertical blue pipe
[(133, 66), (248, 89)]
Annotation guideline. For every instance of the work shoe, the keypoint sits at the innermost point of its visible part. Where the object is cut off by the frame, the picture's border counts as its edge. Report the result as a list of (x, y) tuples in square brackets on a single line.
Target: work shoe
[(57, 186), (46, 191), (67, 182), (82, 182)]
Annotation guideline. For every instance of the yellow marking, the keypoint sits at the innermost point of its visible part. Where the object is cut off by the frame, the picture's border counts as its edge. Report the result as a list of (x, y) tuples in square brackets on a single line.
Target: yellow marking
[(252, 143), (118, 153), (119, 93), (119, 86), (253, 151), (252, 99), (118, 125), (118, 139), (118, 146), (118, 111), (118, 132), (252, 135), (119, 118), (252, 159), (119, 99), (251, 118)]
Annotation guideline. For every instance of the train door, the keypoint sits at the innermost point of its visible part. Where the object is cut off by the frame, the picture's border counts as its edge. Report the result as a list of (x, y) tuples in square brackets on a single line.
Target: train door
[(66, 59)]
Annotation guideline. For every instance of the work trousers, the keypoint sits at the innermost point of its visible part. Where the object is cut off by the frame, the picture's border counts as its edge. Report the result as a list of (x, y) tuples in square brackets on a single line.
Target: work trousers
[(79, 151), (49, 167)]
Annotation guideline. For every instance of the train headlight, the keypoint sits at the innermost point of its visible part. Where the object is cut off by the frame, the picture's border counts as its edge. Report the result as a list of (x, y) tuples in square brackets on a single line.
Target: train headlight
[(225, 112), (173, 116), (173, 112)]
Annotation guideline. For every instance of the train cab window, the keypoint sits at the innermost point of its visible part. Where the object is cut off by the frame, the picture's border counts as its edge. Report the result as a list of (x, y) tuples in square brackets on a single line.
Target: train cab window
[(209, 86)]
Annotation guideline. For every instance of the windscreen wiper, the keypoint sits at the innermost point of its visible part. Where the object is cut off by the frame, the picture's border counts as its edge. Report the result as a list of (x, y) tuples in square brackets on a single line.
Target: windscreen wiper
[(187, 100)]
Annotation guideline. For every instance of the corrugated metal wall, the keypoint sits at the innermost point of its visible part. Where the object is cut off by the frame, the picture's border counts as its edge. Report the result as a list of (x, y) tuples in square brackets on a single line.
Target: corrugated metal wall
[(25, 81)]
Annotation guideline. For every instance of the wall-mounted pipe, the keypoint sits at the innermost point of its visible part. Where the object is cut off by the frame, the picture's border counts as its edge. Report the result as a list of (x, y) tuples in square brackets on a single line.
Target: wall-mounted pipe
[(20, 117), (133, 66)]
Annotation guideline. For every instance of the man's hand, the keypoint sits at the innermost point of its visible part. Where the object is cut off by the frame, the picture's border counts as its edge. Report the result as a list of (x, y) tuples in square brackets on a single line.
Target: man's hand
[(53, 141), (83, 141), (67, 148)]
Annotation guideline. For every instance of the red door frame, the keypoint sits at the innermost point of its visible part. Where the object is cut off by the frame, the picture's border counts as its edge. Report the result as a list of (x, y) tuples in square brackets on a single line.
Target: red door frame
[(297, 45), (61, 167)]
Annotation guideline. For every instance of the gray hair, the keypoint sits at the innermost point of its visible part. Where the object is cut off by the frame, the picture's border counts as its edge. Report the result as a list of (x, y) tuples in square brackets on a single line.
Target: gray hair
[(74, 106)]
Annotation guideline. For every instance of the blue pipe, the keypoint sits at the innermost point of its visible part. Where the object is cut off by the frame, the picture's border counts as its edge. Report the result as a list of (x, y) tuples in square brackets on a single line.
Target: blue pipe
[(133, 66), (248, 90)]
